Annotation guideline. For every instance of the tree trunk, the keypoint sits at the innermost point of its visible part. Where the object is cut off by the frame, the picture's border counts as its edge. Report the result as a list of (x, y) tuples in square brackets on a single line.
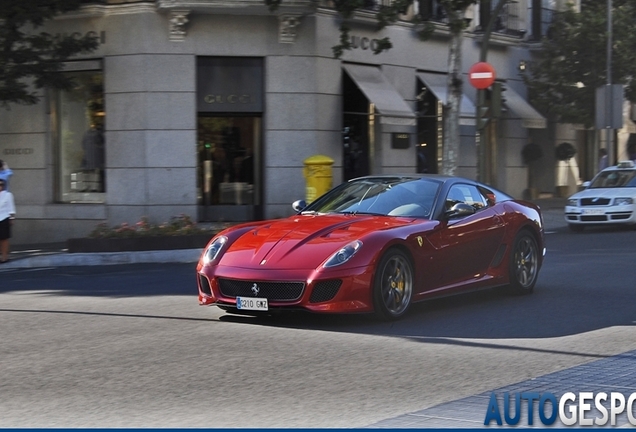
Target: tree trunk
[(452, 108)]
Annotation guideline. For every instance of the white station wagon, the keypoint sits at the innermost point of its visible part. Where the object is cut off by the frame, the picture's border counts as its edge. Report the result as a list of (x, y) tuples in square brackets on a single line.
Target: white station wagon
[(609, 199)]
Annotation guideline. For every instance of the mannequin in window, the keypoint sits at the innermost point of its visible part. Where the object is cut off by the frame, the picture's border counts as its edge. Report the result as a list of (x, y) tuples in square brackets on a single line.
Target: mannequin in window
[(247, 167), (93, 160)]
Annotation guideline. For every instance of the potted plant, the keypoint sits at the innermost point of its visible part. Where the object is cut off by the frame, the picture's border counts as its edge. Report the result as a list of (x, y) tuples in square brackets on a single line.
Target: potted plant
[(179, 233), (564, 152)]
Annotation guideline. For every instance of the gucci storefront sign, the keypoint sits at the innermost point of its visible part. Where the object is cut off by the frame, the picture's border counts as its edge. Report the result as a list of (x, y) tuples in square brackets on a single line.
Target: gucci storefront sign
[(229, 84), (99, 35), (400, 140), (17, 151), (363, 43), (229, 99)]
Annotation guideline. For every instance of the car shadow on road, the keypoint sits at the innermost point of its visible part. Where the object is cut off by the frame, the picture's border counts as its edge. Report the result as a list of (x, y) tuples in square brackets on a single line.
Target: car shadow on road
[(116, 281), (561, 304), (602, 228), (551, 311), (569, 299)]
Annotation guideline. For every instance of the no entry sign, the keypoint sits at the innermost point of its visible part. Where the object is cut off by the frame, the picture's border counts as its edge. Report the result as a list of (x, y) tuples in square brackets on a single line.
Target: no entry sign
[(481, 75)]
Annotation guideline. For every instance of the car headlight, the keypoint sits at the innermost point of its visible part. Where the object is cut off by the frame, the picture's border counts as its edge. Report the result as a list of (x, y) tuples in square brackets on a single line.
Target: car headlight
[(573, 202), (623, 201), (344, 254), (214, 249)]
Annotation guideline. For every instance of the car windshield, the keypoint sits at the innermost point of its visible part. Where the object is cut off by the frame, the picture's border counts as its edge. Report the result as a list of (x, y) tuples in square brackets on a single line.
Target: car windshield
[(615, 179), (412, 197)]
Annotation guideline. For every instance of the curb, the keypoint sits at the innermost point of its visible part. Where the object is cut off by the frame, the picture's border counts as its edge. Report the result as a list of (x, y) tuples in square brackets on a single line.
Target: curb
[(64, 259)]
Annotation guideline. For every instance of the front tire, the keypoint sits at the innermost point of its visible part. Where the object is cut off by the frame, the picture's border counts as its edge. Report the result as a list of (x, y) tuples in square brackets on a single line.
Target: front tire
[(393, 285), (524, 263)]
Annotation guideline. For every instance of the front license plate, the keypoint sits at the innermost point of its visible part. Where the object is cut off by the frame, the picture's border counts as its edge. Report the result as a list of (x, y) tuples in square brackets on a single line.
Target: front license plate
[(593, 211), (251, 303)]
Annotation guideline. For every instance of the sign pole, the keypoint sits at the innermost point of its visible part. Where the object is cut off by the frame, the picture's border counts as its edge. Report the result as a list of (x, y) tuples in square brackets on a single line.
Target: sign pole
[(608, 99), (481, 76), (481, 121)]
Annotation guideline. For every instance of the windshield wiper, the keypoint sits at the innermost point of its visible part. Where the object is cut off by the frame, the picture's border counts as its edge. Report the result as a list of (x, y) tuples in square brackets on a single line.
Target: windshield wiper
[(361, 213), (372, 213)]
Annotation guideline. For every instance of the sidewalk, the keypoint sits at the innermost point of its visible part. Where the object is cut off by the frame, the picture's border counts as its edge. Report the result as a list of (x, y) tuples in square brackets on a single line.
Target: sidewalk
[(554, 203), (56, 254), (616, 372)]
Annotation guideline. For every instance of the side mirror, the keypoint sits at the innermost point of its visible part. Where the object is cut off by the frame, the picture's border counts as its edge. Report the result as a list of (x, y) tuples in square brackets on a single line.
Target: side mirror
[(459, 210), (299, 205), (586, 184)]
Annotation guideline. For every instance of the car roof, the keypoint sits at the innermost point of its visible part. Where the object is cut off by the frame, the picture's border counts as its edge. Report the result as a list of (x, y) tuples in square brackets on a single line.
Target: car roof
[(439, 177), (445, 180), (622, 166)]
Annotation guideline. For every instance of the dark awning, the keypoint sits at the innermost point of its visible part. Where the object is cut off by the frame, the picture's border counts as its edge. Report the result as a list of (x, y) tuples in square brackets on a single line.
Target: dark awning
[(392, 107), (436, 83), (530, 117)]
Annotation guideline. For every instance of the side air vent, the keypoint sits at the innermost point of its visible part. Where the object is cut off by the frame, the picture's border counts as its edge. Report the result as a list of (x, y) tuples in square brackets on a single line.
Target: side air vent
[(498, 256), (325, 291), (204, 284)]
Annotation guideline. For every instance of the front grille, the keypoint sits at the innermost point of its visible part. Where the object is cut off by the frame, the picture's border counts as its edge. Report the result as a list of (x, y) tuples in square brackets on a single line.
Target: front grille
[(205, 285), (325, 290), (278, 291), (594, 218), (595, 201)]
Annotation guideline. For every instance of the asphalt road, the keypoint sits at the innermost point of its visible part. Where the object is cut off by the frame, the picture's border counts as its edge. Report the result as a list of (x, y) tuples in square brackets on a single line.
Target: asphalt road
[(128, 346)]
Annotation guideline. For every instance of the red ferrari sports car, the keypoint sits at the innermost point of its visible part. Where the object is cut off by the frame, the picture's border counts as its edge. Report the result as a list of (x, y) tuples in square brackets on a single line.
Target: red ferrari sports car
[(376, 244)]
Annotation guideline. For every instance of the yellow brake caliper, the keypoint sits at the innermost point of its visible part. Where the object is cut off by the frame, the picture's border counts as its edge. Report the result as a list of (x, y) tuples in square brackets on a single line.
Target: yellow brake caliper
[(399, 285)]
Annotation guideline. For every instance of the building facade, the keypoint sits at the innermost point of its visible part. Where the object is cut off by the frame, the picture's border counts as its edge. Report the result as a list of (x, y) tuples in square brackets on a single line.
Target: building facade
[(209, 108)]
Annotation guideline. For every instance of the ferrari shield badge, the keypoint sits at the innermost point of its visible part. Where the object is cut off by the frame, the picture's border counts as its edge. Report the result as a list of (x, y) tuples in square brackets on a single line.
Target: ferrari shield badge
[(419, 241)]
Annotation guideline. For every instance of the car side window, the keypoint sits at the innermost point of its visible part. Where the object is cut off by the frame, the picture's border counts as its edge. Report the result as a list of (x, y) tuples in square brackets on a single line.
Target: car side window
[(489, 197), (468, 194)]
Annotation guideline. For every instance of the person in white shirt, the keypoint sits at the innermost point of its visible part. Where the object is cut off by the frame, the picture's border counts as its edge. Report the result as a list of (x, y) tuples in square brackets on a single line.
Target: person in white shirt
[(7, 214), (5, 173)]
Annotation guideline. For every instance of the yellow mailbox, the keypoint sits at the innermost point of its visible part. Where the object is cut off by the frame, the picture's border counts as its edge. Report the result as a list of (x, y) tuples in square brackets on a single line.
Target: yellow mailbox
[(318, 177)]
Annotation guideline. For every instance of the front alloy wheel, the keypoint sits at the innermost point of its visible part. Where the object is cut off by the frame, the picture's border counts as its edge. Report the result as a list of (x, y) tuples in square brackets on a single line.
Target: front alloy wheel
[(393, 285), (524, 263)]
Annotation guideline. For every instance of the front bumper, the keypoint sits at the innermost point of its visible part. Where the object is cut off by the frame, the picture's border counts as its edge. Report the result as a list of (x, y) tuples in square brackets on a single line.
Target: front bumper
[(601, 215), (346, 290)]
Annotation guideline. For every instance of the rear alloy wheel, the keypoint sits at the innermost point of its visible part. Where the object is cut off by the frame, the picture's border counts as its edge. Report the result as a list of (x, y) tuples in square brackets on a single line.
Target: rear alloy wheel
[(576, 227), (524, 263), (393, 285)]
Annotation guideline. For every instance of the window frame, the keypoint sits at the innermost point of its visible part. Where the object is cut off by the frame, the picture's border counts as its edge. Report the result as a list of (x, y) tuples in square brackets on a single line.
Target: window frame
[(91, 189)]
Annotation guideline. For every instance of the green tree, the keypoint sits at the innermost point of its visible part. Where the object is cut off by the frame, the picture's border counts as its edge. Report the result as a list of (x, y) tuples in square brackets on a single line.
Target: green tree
[(572, 62), (29, 59), (455, 11)]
